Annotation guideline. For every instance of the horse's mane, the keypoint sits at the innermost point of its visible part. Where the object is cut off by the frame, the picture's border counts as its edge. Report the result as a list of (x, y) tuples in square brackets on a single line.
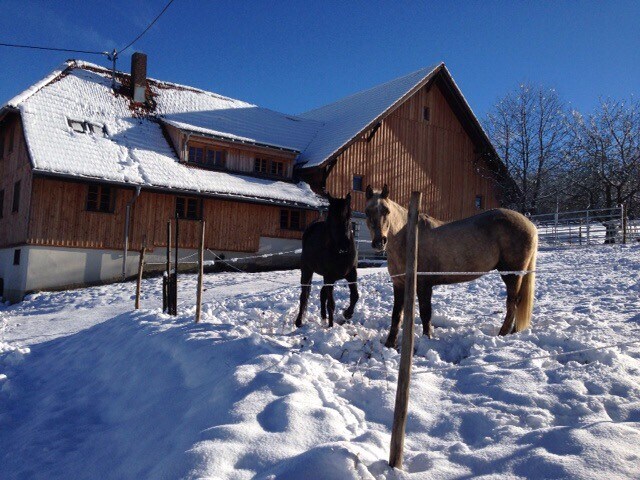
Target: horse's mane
[(431, 221)]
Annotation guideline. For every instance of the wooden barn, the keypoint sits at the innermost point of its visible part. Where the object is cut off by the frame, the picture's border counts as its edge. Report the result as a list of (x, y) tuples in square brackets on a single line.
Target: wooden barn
[(92, 166)]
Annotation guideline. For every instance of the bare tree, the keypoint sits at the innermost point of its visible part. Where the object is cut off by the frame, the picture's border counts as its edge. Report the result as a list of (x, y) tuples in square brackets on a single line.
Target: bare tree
[(606, 154), (605, 157), (528, 127)]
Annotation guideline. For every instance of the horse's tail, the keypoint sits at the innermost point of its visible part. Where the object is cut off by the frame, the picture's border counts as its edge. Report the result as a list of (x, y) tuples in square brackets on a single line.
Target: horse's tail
[(527, 290)]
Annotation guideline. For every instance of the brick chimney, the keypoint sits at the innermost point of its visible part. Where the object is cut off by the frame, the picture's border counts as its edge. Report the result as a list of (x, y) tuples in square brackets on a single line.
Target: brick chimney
[(138, 77)]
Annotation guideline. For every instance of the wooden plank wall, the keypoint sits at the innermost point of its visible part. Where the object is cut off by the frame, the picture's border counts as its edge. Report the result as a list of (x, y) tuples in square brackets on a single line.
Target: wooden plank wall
[(14, 166), (407, 153), (59, 218), (238, 159)]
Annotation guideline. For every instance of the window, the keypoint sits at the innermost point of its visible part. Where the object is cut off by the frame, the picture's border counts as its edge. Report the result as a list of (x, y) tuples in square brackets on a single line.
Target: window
[(16, 197), (1, 203), (16, 256), (267, 166), (208, 157), (426, 114), (100, 198), (216, 157), (277, 168), (357, 183), (96, 128), (479, 202), (189, 208), (291, 220), (261, 165), (77, 126), (196, 155)]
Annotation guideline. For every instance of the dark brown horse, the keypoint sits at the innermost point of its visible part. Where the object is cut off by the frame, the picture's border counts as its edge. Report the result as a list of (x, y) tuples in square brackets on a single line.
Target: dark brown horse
[(495, 239), (329, 249)]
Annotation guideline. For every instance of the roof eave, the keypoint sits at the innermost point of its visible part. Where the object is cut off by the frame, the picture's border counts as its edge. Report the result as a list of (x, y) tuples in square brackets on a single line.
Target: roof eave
[(480, 133), (178, 191), (236, 140)]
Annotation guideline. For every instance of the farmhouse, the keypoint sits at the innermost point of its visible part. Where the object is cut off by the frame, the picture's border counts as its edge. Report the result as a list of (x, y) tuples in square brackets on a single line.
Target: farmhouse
[(94, 164)]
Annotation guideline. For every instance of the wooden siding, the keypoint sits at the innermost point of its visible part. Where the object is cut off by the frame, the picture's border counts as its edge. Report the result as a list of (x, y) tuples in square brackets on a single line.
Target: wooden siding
[(59, 218), (14, 167), (239, 159), (408, 153)]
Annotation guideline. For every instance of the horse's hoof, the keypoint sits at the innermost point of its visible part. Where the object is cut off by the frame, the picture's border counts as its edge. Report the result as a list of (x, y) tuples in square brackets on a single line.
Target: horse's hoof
[(390, 343), (348, 314), (428, 333), (298, 324)]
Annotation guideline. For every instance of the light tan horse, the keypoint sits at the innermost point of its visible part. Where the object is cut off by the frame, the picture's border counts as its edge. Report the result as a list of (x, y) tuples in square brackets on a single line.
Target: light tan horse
[(495, 239)]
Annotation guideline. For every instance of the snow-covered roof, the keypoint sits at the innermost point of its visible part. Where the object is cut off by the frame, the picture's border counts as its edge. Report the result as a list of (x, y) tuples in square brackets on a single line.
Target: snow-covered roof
[(135, 150), (128, 147), (346, 118), (251, 124)]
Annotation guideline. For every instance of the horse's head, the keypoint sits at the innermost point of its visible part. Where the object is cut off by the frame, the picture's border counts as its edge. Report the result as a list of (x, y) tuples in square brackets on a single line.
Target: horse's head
[(339, 222), (377, 211)]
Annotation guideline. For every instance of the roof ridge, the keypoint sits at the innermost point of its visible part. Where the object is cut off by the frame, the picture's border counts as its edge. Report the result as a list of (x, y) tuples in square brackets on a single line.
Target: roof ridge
[(426, 71)]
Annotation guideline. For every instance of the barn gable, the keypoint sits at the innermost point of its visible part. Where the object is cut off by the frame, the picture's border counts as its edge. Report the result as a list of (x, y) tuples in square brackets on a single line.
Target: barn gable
[(429, 140)]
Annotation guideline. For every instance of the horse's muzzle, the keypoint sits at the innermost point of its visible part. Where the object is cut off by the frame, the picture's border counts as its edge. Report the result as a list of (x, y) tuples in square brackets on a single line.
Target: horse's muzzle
[(379, 244)]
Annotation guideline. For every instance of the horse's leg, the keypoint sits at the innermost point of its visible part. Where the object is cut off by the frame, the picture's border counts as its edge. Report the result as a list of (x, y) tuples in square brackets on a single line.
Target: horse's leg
[(331, 304), (323, 301), (305, 282), (352, 278), (425, 291), (396, 315), (513, 286)]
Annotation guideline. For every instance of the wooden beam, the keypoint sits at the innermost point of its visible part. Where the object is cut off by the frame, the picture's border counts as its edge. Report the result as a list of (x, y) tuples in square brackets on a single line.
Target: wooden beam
[(406, 354), (200, 273)]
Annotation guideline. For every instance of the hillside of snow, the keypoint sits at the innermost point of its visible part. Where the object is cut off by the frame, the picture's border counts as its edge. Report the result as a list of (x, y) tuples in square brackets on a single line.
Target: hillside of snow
[(90, 388)]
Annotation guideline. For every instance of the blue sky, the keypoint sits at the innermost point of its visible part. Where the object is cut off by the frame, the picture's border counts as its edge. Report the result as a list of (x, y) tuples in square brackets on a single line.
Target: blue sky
[(294, 56)]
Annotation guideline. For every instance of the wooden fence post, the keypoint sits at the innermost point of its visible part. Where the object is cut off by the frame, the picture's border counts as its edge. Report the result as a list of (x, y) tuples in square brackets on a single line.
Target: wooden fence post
[(173, 297), (406, 353), (623, 225), (140, 270), (165, 277), (200, 273)]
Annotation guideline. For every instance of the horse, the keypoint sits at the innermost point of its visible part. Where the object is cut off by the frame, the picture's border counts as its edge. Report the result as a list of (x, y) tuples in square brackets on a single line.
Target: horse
[(494, 239), (329, 249)]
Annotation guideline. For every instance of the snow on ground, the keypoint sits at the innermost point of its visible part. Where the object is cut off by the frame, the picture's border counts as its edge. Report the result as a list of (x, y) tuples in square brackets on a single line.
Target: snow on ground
[(91, 389)]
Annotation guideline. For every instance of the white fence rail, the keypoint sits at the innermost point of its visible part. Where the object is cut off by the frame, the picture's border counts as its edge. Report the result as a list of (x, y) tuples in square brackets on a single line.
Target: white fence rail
[(585, 227)]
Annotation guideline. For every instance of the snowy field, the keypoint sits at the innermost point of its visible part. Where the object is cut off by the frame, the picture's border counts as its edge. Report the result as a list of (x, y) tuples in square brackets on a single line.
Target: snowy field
[(90, 388)]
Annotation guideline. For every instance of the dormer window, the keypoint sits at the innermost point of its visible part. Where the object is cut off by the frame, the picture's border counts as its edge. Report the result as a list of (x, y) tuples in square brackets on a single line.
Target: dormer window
[(213, 157), (196, 155), (261, 165), (267, 166), (277, 168)]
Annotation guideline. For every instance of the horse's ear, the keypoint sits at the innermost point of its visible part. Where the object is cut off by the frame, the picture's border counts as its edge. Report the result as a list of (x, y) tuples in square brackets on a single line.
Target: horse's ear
[(369, 193), (385, 192), (348, 198)]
